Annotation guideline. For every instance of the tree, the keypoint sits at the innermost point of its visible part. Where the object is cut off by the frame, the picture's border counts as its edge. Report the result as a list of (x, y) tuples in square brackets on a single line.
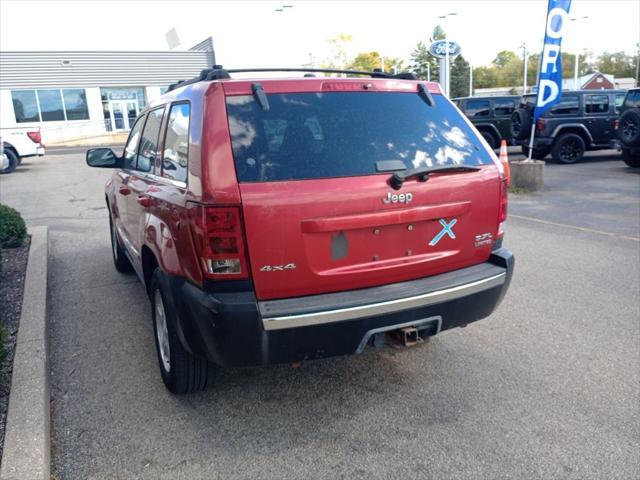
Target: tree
[(423, 64), (338, 56), (459, 83), (369, 61), (618, 64)]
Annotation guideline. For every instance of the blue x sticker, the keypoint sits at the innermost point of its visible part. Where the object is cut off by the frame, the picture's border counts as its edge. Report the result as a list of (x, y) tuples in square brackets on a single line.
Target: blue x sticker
[(446, 230)]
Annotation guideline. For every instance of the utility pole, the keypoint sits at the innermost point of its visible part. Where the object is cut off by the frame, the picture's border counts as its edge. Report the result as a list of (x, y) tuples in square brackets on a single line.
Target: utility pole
[(470, 79), (525, 54), (575, 70), (638, 64), (447, 69)]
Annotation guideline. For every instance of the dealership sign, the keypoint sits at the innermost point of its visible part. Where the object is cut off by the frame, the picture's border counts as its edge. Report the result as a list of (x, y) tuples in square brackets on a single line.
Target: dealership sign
[(439, 49), (550, 79)]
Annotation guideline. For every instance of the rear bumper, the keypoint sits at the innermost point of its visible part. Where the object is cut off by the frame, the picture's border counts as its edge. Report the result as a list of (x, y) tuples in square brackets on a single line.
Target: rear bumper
[(233, 329)]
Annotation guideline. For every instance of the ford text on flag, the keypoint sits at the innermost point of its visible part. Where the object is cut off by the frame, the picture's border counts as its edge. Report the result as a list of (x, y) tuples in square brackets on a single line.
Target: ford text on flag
[(550, 79)]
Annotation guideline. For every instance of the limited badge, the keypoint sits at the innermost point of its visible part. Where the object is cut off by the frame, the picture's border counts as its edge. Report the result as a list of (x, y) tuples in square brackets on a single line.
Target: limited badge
[(483, 239), (447, 229)]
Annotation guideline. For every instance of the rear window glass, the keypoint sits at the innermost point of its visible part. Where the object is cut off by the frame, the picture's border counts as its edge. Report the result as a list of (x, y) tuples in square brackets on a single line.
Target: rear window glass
[(528, 100), (337, 134), (633, 99)]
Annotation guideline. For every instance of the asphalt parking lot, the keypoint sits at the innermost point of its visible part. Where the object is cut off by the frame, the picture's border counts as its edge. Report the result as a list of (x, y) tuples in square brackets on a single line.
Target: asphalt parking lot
[(548, 387)]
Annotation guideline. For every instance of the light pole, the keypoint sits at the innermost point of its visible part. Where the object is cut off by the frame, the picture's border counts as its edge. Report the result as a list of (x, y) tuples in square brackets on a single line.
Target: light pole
[(446, 53), (575, 71), (470, 80), (525, 54)]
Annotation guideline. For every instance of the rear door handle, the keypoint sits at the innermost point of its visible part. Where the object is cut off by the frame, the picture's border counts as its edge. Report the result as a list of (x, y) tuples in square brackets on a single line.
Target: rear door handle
[(124, 190), (145, 201)]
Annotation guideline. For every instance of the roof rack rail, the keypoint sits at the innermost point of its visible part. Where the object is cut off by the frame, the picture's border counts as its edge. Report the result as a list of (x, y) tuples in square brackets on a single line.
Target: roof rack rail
[(219, 73), (377, 73)]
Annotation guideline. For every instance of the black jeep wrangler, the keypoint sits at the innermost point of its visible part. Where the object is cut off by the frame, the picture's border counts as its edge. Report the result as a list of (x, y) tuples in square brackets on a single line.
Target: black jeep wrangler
[(582, 120), (628, 128), (490, 115)]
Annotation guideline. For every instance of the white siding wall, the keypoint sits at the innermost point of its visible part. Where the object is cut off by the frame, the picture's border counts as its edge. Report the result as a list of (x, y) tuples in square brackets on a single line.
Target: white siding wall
[(153, 93)]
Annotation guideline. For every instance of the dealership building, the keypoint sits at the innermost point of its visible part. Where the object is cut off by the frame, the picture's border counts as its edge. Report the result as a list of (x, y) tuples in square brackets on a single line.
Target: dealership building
[(78, 94)]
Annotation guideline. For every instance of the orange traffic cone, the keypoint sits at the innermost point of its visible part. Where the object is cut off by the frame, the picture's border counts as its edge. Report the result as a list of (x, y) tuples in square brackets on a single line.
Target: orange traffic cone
[(504, 159)]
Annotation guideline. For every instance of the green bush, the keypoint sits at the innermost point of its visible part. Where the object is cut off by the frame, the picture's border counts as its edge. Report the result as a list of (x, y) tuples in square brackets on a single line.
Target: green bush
[(12, 228)]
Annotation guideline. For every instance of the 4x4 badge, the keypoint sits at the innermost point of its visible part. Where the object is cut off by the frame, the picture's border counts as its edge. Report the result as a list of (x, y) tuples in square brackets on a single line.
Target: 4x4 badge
[(446, 230), (278, 268)]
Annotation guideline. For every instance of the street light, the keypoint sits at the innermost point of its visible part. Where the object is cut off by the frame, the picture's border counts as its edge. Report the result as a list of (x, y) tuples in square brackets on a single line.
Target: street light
[(575, 72), (525, 54), (446, 53)]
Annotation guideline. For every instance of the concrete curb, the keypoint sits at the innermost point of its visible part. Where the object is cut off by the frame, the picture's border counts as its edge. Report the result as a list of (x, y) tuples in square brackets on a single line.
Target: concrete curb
[(27, 442)]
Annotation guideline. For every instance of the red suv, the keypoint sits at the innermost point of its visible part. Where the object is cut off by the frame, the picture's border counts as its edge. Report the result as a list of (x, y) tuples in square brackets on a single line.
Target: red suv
[(286, 219)]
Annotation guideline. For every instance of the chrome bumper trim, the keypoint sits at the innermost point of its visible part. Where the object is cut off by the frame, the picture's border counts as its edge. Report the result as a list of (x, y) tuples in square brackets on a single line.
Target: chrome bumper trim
[(391, 306)]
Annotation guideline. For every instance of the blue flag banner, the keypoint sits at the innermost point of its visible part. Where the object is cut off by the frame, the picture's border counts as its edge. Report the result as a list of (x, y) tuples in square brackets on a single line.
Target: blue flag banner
[(550, 77)]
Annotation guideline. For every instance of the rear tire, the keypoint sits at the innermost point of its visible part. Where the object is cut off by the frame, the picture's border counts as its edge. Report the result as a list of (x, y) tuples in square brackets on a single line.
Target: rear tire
[(120, 260), (13, 162), (631, 160), (568, 148), (490, 138), (181, 371)]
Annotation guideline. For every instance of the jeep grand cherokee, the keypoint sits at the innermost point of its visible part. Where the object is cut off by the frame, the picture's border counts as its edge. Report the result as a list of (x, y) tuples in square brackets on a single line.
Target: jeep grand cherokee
[(287, 219)]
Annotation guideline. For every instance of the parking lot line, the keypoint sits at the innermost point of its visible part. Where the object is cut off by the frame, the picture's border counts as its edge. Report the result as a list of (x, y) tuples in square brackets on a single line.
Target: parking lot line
[(575, 227)]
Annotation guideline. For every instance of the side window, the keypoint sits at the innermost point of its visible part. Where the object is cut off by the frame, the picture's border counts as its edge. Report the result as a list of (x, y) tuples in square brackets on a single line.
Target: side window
[(477, 108), (504, 108), (596, 104), (148, 151), (131, 147), (633, 99), (568, 105), (176, 143)]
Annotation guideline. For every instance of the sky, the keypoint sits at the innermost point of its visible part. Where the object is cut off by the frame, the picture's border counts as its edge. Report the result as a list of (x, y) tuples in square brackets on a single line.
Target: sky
[(253, 34)]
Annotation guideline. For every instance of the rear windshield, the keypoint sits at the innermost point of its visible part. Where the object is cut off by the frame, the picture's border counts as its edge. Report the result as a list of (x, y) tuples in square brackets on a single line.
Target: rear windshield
[(528, 100), (340, 134), (633, 99)]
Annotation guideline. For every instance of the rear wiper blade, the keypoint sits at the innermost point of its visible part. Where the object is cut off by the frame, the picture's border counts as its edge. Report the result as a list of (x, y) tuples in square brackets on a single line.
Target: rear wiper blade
[(422, 173)]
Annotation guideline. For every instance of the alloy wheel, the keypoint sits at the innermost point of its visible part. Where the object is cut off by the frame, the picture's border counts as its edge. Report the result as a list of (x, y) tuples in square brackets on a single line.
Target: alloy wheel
[(162, 333)]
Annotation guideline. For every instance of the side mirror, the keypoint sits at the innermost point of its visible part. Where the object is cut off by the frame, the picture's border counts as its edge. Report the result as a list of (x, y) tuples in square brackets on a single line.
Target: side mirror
[(103, 158)]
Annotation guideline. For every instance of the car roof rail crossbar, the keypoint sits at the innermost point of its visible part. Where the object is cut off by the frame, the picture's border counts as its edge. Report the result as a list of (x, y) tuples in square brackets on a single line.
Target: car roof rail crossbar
[(376, 73), (215, 73), (219, 73)]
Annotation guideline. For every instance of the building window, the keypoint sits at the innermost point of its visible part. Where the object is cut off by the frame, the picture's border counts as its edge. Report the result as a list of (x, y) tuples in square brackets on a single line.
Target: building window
[(25, 106), (176, 143), (51, 108), (75, 104), (50, 105)]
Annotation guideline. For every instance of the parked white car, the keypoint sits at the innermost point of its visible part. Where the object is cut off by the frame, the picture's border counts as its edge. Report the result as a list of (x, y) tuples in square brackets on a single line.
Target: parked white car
[(16, 144)]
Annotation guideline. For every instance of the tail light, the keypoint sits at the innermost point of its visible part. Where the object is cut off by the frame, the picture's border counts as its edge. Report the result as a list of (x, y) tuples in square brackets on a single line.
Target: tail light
[(35, 136), (219, 241), (616, 124), (502, 216), (540, 125)]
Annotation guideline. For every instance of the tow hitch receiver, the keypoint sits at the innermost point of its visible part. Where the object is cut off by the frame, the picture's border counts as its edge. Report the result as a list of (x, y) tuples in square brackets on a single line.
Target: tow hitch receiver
[(407, 336)]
